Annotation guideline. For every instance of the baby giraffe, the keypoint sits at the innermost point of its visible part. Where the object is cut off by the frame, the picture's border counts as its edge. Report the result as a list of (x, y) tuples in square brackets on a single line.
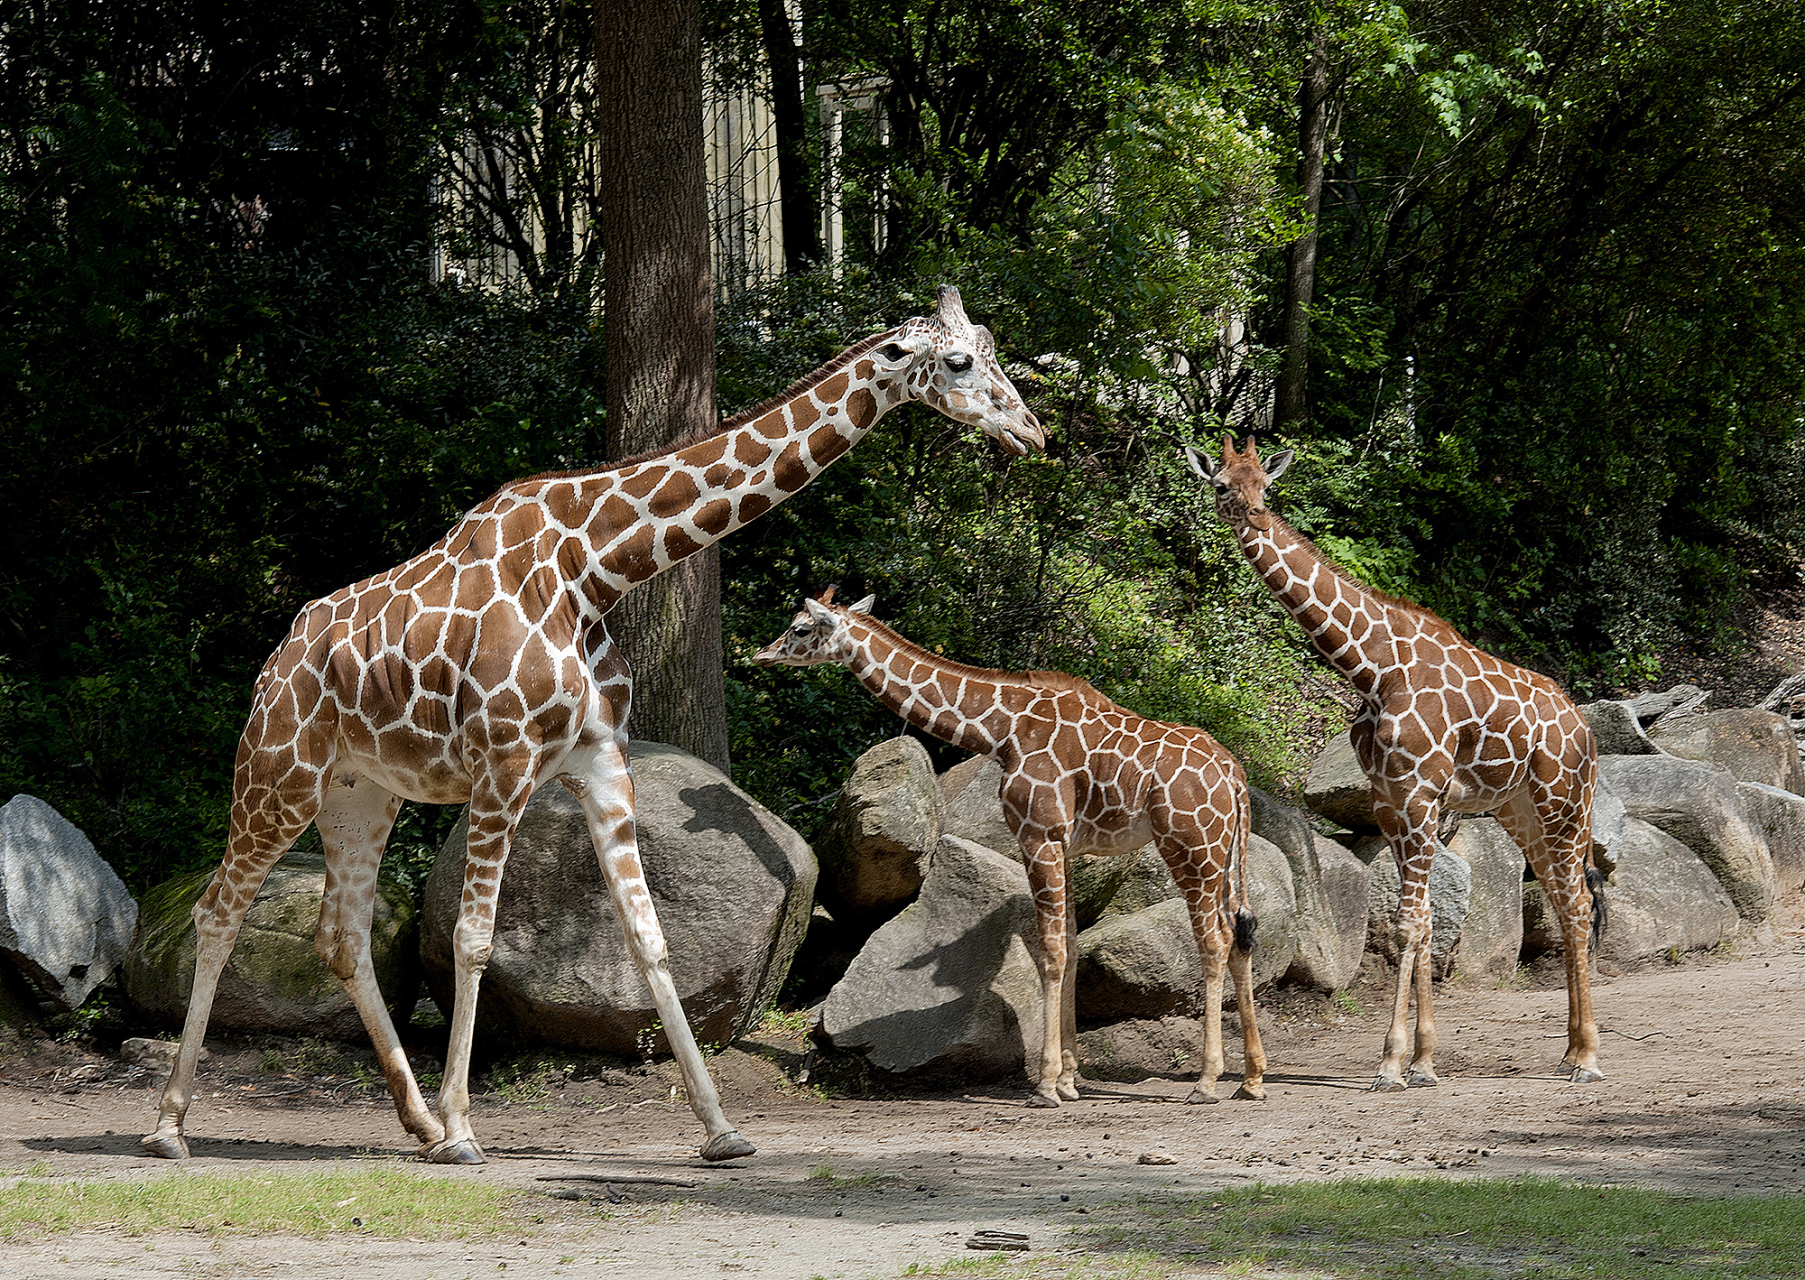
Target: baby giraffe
[(1080, 776)]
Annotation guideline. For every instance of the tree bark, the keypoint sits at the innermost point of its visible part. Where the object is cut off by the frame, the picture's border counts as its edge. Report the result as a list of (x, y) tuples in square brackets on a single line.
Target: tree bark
[(1292, 401), (659, 330), (795, 184)]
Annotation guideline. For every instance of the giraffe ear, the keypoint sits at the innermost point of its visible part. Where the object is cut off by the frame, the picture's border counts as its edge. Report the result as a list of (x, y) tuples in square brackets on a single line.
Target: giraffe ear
[(1205, 466), (863, 606), (1274, 467), (818, 611)]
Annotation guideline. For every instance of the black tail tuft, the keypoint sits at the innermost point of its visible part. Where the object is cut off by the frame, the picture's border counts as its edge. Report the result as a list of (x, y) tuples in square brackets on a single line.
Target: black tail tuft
[(1600, 916), (1245, 924)]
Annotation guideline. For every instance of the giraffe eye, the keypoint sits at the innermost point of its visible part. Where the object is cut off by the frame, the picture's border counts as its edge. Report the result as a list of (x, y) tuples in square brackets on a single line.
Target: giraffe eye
[(958, 362), (799, 631), (890, 351)]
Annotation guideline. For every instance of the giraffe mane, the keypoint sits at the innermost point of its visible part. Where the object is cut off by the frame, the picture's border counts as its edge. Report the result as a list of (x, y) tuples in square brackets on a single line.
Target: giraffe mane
[(1056, 681), (1410, 607), (808, 382)]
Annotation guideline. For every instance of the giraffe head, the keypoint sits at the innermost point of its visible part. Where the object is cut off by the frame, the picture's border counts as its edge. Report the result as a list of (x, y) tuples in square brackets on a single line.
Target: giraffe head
[(949, 363), (817, 634), (1240, 481)]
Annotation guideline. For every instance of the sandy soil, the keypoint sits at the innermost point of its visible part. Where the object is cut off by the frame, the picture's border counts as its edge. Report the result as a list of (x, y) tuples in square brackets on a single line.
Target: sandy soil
[(1705, 1093)]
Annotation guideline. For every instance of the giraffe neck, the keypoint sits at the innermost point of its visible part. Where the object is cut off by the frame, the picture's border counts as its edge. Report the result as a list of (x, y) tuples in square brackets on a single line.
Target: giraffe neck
[(1350, 626), (947, 699), (635, 520)]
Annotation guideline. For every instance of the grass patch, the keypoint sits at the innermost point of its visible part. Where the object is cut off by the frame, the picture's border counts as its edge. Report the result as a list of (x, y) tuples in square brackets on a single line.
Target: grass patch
[(1457, 1230), (382, 1203)]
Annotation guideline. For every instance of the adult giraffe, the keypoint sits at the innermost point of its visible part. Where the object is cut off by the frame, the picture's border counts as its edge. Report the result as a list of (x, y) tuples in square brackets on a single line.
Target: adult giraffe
[(1080, 775), (1443, 726), (483, 668)]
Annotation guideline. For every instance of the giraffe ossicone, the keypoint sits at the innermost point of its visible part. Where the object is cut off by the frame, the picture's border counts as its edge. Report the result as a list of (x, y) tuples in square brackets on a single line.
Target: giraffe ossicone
[(482, 669), (1443, 727), (1081, 775)]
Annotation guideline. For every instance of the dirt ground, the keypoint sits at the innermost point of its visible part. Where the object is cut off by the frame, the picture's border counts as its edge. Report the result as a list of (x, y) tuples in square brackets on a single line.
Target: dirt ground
[(1705, 1093)]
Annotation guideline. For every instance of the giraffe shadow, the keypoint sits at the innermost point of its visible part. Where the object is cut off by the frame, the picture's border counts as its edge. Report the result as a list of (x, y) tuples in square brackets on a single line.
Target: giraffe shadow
[(126, 1144)]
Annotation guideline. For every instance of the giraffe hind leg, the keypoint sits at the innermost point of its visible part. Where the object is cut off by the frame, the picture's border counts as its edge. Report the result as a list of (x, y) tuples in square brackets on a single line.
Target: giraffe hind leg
[(354, 825), (260, 835)]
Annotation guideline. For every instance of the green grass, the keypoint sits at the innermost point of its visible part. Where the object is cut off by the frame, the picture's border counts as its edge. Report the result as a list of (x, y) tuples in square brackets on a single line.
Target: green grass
[(1458, 1230), (388, 1204)]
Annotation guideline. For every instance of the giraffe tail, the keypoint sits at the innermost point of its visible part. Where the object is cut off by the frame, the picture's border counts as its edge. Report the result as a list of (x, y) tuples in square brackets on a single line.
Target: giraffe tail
[(1246, 922), (1601, 916)]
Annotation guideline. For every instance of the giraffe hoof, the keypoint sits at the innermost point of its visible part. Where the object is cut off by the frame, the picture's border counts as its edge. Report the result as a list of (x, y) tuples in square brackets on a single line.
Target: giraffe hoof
[(726, 1146), (1586, 1075), (1387, 1084), (1203, 1097), (1042, 1100), (1423, 1080), (463, 1151), (169, 1146), (1251, 1093), (1068, 1092)]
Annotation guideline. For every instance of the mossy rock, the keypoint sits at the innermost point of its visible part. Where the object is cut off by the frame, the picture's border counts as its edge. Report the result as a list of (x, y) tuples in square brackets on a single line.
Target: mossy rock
[(274, 983)]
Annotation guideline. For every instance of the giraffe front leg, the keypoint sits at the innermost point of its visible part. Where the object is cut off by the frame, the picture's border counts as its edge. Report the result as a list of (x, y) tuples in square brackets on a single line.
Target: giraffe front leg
[(1422, 1063), (1045, 861), (1068, 1009), (606, 796), (1575, 909)]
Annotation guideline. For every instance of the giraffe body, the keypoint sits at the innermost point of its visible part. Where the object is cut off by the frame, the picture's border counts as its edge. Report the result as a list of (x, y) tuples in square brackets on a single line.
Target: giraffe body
[(1081, 775), (1444, 727), (482, 669)]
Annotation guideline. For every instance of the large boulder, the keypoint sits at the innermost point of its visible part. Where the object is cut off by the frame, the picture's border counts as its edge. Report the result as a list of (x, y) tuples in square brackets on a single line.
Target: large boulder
[(1699, 805), (731, 883), (1608, 815), (950, 989), (1617, 729), (274, 982), (1450, 899), (874, 851), (1754, 745), (1660, 897), (1492, 937), (1337, 787), (1144, 964), (66, 920), (1780, 818), (974, 811), (1148, 881), (1330, 886)]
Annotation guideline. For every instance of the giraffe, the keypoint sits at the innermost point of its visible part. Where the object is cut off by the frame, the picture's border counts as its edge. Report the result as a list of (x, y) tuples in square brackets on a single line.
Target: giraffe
[(1446, 727), (483, 668), (1080, 776)]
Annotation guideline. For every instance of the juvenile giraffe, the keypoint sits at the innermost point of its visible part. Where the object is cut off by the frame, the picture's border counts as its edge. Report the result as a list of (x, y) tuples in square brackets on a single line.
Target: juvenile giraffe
[(1444, 726), (483, 668), (1080, 776)]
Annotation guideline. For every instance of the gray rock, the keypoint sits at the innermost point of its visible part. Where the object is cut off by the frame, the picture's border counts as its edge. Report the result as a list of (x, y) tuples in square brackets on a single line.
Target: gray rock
[(1337, 787), (884, 827), (1450, 898), (1608, 815), (1699, 805), (1541, 931), (1491, 940), (1754, 745), (974, 811), (1147, 881), (732, 885), (1618, 731), (1330, 886), (1144, 964), (950, 988), (274, 982), (1780, 818), (66, 920), (1662, 896)]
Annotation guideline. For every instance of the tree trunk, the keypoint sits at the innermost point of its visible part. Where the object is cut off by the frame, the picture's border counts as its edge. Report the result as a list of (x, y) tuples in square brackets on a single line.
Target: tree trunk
[(659, 330), (795, 184), (1292, 404)]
